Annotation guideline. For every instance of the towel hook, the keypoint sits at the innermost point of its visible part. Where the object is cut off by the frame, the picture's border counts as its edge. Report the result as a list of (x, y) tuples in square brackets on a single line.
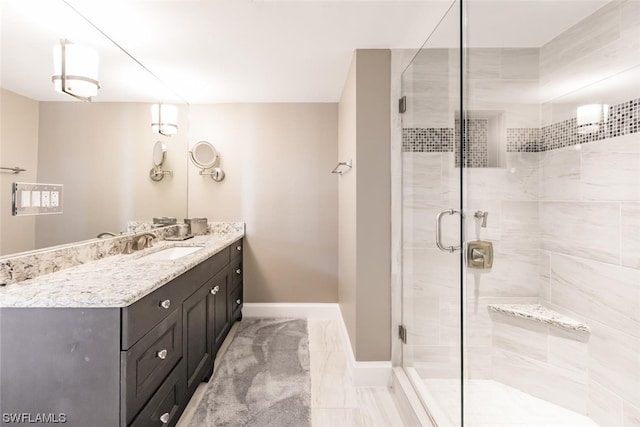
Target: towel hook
[(339, 171)]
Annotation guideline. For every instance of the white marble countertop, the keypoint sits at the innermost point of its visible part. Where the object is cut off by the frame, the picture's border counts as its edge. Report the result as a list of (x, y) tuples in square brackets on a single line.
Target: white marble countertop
[(114, 281)]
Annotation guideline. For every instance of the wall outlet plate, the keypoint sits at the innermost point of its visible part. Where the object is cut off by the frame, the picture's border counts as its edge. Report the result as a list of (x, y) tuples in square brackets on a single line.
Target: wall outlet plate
[(36, 199)]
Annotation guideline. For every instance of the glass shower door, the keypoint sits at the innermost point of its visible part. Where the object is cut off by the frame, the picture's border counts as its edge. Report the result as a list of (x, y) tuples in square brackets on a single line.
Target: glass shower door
[(526, 140), (431, 221)]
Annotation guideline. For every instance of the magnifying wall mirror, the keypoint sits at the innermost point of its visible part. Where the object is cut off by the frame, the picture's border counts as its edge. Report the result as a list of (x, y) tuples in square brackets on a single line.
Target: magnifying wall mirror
[(205, 156), (159, 156)]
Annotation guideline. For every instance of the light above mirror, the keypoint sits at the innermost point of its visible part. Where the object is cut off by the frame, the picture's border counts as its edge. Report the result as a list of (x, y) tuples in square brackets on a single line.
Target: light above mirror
[(75, 70), (164, 119)]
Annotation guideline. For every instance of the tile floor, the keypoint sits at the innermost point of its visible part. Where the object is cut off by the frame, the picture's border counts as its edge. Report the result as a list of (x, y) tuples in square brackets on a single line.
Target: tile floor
[(335, 401)]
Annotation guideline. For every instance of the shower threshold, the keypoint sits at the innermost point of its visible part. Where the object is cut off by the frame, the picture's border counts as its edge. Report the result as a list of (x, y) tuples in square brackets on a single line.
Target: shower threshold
[(489, 403)]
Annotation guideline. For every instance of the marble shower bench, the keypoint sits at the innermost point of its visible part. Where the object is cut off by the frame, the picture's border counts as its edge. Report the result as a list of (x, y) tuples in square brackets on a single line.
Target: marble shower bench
[(541, 314)]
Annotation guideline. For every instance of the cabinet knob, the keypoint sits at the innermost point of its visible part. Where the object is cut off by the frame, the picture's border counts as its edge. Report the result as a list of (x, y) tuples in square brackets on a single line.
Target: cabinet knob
[(239, 248), (165, 304), (238, 271), (162, 354), (165, 417), (215, 290), (238, 301)]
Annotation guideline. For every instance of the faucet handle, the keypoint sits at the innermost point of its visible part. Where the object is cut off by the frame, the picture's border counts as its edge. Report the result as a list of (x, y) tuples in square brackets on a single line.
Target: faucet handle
[(483, 216), (126, 248)]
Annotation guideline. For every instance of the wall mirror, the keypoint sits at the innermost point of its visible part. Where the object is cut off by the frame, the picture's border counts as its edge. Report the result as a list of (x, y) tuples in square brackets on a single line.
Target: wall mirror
[(98, 150)]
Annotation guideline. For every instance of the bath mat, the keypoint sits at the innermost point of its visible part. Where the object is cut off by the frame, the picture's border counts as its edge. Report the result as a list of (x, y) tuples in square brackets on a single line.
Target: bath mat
[(263, 378)]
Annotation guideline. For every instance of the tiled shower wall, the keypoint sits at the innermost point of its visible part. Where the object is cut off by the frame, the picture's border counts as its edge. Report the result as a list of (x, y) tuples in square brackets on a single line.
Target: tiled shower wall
[(564, 217)]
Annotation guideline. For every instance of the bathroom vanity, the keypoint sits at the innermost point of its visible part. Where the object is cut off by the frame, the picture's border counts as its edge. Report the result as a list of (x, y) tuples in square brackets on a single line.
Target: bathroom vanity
[(129, 354)]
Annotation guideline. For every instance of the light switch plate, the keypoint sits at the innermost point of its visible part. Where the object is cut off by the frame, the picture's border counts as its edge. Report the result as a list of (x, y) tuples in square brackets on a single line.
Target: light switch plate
[(36, 198)]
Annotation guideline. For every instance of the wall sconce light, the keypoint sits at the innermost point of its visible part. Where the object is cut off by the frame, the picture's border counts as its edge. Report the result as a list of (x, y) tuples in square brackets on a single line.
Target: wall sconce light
[(75, 70), (164, 119), (589, 117)]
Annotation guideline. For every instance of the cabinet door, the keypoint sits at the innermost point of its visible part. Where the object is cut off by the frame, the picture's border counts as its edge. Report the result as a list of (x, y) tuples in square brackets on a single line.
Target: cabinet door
[(218, 309), (197, 337)]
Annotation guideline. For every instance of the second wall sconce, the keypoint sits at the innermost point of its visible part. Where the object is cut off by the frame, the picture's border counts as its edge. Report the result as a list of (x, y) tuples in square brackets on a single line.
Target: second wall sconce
[(164, 119), (75, 70), (205, 156)]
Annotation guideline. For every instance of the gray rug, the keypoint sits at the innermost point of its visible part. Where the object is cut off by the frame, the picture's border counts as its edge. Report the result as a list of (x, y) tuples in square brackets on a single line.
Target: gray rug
[(263, 378)]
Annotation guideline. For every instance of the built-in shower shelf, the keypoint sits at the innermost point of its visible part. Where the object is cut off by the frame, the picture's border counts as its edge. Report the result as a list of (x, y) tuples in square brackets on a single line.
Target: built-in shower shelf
[(541, 314)]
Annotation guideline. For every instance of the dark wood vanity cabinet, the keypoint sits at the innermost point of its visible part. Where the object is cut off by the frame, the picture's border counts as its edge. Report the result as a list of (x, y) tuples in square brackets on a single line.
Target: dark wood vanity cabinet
[(132, 366)]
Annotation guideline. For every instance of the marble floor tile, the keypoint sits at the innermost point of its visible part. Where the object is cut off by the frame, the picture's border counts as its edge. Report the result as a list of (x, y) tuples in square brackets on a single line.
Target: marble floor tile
[(321, 417), (335, 401), (331, 382)]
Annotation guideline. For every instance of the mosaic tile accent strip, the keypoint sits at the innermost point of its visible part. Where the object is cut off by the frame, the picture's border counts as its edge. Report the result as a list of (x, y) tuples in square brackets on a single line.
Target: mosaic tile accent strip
[(427, 140), (476, 149), (523, 140), (623, 119)]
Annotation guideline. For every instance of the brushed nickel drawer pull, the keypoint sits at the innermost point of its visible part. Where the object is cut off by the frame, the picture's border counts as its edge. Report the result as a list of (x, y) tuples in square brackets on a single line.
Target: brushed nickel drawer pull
[(162, 354), (215, 290), (238, 271), (165, 418), (165, 304), (238, 301), (239, 248)]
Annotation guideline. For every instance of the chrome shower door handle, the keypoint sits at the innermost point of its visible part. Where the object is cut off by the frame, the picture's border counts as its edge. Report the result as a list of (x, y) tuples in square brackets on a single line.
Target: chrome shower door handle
[(439, 231)]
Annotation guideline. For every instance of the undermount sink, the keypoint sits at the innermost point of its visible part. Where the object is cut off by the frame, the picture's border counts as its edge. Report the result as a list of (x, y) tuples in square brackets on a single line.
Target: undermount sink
[(170, 254)]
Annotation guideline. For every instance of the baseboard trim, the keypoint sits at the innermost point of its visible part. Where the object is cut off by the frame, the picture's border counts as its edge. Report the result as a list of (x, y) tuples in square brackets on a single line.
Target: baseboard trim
[(285, 309), (365, 374)]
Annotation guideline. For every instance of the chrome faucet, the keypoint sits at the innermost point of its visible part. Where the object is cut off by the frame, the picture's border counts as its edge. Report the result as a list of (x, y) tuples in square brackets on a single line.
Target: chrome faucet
[(143, 241)]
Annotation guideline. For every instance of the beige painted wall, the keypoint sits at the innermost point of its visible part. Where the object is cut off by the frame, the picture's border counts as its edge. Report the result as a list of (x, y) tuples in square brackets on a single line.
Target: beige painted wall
[(277, 159), (102, 154), (18, 147), (365, 257)]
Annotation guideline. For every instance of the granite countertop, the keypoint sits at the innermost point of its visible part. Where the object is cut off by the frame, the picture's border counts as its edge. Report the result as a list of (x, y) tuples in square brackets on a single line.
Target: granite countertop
[(114, 281)]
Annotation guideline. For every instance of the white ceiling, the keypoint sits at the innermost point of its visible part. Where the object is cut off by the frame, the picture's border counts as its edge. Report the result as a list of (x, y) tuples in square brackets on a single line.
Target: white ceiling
[(209, 51)]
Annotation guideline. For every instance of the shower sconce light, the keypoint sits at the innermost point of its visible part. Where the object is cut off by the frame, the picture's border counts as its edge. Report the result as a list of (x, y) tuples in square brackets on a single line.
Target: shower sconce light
[(589, 117), (75, 70), (164, 119)]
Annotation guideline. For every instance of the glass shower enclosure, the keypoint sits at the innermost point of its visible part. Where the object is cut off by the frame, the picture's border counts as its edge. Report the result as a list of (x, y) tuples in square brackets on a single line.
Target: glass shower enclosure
[(521, 215)]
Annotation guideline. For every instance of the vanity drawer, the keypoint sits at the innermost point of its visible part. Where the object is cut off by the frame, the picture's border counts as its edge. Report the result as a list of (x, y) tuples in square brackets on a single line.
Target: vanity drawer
[(218, 262), (237, 248), (236, 272), (146, 365), (235, 303), (144, 314), (166, 405)]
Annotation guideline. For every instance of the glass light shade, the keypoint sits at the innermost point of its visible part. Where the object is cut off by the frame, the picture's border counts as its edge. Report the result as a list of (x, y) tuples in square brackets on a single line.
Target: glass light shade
[(164, 119), (81, 70), (590, 116)]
